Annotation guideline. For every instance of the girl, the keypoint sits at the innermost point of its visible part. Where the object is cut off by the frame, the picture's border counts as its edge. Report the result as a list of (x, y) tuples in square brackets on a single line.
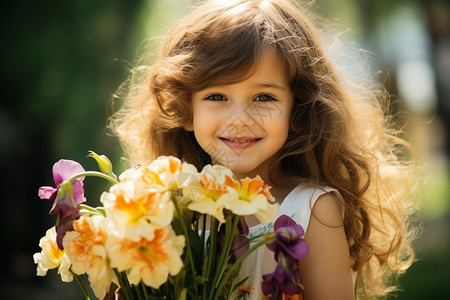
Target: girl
[(246, 84)]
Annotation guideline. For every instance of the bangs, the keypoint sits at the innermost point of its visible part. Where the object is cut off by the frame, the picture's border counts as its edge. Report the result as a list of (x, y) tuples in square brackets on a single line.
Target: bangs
[(222, 43), (224, 49)]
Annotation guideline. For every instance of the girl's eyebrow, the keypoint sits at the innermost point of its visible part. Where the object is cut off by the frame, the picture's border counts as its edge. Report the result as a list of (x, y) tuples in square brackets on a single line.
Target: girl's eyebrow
[(271, 85), (256, 85)]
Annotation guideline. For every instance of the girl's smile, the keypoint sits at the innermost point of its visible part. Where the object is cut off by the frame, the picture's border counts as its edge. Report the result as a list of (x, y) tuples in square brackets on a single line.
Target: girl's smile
[(242, 125), (240, 142)]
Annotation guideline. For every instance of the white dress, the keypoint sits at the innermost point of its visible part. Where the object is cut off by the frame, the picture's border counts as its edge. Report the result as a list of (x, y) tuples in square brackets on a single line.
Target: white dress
[(297, 205)]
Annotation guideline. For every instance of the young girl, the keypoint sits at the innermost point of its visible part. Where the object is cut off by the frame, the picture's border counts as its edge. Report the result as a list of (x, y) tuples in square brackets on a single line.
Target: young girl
[(246, 84)]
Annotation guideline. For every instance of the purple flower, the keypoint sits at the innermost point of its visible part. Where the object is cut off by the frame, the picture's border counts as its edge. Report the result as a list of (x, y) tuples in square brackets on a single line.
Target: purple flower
[(289, 240), (284, 280), (289, 247), (270, 284), (65, 197)]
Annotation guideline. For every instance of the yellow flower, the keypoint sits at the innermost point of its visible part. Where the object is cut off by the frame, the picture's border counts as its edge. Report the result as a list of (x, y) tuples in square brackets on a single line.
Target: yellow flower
[(149, 260), (160, 175), (52, 257), (252, 197), (211, 193), (141, 202), (85, 248), (136, 213), (166, 171)]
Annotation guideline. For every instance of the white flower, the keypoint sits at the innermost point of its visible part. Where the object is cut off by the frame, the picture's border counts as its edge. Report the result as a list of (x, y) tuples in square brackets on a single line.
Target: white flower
[(211, 194), (85, 248), (149, 260), (52, 257)]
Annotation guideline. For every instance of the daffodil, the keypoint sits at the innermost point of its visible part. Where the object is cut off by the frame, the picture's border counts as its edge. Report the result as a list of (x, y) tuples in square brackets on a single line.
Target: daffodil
[(136, 211), (85, 246), (52, 257), (212, 192), (162, 174), (149, 260), (166, 171), (250, 196)]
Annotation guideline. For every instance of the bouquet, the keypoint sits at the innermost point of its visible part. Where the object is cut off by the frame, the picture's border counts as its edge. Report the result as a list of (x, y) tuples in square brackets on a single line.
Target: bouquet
[(165, 231)]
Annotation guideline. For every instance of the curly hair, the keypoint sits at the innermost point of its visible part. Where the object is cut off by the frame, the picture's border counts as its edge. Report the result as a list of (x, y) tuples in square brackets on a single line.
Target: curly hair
[(339, 136)]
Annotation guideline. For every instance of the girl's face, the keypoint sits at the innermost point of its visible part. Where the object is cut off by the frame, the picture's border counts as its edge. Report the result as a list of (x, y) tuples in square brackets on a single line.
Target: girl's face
[(242, 125)]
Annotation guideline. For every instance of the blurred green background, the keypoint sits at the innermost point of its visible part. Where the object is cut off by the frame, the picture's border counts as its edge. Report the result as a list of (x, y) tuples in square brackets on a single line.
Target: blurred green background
[(62, 61)]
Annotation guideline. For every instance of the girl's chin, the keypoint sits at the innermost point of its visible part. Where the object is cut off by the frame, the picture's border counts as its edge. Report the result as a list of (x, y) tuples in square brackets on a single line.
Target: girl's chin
[(243, 171), (245, 167), (236, 167)]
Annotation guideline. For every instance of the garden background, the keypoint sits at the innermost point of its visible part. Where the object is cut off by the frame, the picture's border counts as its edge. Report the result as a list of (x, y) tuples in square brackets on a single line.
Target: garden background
[(61, 62)]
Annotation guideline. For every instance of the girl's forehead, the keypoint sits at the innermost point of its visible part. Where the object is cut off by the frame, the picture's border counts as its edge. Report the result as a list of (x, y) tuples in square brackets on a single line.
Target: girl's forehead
[(269, 64)]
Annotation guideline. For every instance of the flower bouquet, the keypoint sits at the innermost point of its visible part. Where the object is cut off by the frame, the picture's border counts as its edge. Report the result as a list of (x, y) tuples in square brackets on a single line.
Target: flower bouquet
[(165, 231)]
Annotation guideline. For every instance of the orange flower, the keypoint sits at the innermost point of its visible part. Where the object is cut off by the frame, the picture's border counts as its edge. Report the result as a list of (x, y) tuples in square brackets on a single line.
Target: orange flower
[(251, 188), (252, 196), (136, 211), (149, 260), (211, 192), (85, 248), (160, 175)]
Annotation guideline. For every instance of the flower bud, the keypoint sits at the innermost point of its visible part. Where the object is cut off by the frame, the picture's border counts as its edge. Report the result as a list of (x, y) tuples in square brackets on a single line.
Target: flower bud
[(103, 162)]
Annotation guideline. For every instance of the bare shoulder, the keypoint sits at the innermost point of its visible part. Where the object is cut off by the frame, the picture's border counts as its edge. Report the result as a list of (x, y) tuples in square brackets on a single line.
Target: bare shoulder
[(327, 211), (326, 271)]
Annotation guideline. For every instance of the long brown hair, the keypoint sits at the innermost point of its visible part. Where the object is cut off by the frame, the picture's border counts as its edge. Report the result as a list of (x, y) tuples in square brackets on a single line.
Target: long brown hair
[(338, 137)]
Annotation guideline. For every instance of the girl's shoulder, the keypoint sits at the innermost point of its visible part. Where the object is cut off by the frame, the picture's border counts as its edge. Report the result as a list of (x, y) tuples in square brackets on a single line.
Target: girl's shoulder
[(300, 202)]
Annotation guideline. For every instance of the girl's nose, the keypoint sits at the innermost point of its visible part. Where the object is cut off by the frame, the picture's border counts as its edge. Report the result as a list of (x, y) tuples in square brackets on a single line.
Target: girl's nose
[(240, 115)]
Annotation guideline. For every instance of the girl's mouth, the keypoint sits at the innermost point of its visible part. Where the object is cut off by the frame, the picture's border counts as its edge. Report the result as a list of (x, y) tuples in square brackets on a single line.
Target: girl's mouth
[(240, 142)]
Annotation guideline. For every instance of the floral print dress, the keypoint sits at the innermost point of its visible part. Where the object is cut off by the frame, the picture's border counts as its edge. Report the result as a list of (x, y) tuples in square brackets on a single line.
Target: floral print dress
[(297, 205)]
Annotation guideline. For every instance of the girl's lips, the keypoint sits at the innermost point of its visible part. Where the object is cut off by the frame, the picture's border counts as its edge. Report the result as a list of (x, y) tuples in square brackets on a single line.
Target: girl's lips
[(240, 143)]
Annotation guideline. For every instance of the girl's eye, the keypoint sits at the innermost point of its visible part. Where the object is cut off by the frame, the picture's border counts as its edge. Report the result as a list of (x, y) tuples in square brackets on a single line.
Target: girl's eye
[(264, 98), (216, 97)]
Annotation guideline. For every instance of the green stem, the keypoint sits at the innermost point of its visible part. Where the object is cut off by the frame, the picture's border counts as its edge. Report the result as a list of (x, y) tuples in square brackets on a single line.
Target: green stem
[(80, 283), (231, 224), (139, 292), (204, 257), (230, 271), (144, 290), (127, 284), (93, 173), (210, 260), (202, 236), (183, 294), (188, 244), (90, 209), (125, 288)]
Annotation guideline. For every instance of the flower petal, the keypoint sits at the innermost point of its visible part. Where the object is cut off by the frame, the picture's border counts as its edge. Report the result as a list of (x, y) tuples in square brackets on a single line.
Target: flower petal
[(299, 249), (241, 207), (78, 192), (47, 192), (284, 221), (64, 169), (206, 205)]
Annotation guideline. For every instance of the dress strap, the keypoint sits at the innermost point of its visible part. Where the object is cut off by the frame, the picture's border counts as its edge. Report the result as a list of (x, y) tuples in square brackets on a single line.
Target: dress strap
[(299, 203)]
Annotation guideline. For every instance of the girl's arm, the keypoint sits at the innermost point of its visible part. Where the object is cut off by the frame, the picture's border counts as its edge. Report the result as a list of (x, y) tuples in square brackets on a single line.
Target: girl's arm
[(326, 270)]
